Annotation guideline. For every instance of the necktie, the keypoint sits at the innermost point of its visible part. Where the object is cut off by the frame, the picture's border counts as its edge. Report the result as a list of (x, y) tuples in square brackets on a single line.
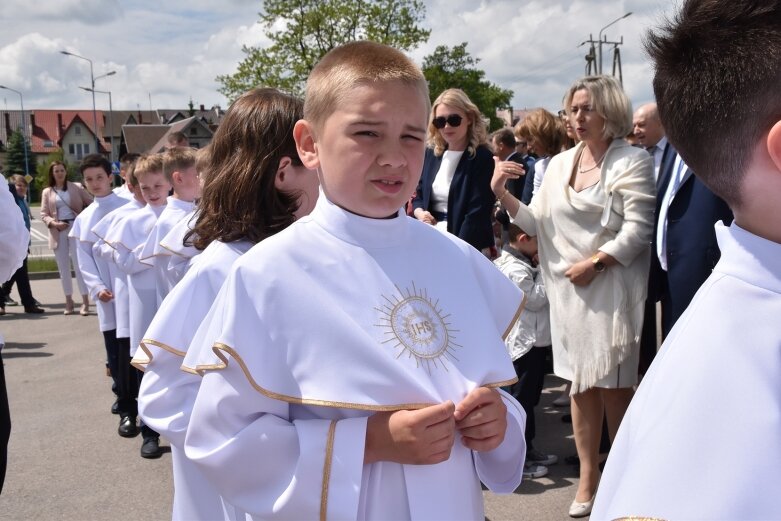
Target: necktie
[(675, 183)]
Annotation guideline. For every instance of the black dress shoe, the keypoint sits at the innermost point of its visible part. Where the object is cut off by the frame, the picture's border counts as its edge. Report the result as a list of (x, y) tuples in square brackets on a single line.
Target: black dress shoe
[(115, 407), (10, 302), (127, 427), (34, 309), (150, 449)]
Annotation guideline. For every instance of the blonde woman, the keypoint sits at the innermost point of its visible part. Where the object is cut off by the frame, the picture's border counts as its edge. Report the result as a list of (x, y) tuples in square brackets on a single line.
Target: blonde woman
[(593, 218), (454, 191), (61, 202)]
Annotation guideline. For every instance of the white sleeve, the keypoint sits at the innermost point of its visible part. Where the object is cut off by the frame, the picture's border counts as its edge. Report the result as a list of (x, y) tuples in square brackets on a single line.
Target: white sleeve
[(127, 260), (266, 463), (166, 396), (502, 468), (88, 268), (14, 236)]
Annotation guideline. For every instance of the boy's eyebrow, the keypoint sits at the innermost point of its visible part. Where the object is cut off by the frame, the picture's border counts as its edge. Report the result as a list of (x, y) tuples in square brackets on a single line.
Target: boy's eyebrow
[(372, 123)]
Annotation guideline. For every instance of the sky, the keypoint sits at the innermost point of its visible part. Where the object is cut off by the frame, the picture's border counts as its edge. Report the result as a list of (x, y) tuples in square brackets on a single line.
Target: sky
[(166, 53)]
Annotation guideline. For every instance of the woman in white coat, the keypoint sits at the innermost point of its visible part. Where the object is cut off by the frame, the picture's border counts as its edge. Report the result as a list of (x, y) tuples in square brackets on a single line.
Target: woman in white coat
[(593, 218)]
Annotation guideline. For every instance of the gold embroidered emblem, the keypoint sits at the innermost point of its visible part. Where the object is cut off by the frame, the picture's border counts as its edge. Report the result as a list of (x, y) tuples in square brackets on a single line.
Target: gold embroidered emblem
[(418, 326)]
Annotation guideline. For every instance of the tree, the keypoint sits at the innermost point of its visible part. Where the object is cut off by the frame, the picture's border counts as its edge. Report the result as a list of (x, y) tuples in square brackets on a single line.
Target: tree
[(447, 68), (311, 28), (14, 162)]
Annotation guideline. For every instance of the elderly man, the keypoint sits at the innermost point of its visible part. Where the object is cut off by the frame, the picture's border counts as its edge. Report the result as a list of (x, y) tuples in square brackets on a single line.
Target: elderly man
[(649, 133)]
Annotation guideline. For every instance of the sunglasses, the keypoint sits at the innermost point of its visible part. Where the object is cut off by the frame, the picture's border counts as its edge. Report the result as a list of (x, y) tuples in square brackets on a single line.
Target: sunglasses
[(454, 120)]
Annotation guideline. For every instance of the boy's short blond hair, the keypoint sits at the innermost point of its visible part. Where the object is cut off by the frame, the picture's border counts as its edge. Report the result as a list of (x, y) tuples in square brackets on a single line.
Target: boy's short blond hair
[(177, 159), (148, 164), (353, 64)]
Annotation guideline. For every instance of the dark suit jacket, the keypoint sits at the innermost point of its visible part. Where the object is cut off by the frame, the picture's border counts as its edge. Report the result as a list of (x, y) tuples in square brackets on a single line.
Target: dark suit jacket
[(692, 250), (470, 200), (517, 187), (528, 182)]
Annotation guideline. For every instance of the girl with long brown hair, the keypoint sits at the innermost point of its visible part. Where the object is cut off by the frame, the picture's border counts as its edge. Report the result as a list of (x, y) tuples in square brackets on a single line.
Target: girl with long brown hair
[(255, 187)]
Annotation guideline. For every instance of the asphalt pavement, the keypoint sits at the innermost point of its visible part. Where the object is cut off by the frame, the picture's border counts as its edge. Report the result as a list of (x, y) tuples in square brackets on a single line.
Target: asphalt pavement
[(66, 461)]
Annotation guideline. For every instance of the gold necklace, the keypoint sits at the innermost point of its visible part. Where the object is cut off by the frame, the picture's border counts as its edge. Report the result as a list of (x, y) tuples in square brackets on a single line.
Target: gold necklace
[(596, 164)]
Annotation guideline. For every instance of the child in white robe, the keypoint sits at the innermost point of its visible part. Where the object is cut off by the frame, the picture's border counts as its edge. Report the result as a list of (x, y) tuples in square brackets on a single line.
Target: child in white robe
[(351, 361), (702, 436), (98, 274), (180, 171), (127, 239), (127, 380), (240, 206), (179, 241)]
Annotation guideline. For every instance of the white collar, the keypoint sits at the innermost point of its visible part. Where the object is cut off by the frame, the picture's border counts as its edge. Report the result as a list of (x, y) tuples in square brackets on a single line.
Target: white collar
[(355, 229), (749, 257)]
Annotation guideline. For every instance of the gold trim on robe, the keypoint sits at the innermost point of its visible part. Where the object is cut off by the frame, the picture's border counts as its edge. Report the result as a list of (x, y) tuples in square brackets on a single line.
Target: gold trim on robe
[(140, 363), (515, 319), (220, 349), (329, 452)]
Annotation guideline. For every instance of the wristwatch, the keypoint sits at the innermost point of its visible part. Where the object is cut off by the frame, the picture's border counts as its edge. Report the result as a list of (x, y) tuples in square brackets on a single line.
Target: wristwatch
[(599, 266)]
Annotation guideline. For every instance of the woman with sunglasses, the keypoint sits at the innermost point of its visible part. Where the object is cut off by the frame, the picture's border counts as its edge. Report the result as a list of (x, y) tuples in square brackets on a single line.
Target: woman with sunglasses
[(593, 219), (454, 192)]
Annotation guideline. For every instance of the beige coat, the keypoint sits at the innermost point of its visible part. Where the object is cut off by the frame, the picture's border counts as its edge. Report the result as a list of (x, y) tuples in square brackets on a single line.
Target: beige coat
[(594, 327), (78, 200)]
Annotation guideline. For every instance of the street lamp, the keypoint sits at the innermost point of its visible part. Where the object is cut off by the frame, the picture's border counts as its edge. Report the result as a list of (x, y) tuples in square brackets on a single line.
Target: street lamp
[(110, 113), (600, 37), (94, 112), (24, 130)]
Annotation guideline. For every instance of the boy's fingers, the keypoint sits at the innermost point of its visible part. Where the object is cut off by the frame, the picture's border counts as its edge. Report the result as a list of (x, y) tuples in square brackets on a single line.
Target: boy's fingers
[(435, 413), (474, 399)]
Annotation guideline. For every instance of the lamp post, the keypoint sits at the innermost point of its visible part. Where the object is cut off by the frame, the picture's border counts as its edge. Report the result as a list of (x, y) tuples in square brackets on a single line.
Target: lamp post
[(24, 130), (600, 37), (110, 115), (94, 112), (110, 73)]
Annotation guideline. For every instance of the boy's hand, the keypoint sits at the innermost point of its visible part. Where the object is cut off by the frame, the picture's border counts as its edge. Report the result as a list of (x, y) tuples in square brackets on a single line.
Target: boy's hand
[(421, 437), (481, 418), (105, 295)]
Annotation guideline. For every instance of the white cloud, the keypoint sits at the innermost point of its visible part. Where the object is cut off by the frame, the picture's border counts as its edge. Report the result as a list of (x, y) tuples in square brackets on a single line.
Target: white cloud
[(64, 11), (174, 50)]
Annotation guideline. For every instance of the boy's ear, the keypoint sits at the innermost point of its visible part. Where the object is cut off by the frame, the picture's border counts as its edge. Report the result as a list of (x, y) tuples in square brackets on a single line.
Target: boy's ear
[(774, 144), (176, 176), (303, 133), (281, 177)]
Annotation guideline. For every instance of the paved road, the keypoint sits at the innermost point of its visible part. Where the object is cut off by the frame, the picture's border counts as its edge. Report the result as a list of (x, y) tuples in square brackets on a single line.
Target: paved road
[(66, 461)]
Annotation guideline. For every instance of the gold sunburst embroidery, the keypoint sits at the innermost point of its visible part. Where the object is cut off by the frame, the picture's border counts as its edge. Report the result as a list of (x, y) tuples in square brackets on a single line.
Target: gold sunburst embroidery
[(419, 327)]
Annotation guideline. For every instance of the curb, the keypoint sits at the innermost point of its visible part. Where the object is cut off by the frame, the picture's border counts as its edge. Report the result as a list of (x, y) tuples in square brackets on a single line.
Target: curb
[(45, 275)]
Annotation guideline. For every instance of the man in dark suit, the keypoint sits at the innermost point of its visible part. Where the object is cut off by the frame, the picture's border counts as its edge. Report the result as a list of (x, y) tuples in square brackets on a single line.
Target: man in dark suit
[(503, 145), (684, 247)]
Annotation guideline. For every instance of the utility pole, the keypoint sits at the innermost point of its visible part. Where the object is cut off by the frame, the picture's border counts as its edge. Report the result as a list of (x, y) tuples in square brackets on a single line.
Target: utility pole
[(591, 57), (594, 63)]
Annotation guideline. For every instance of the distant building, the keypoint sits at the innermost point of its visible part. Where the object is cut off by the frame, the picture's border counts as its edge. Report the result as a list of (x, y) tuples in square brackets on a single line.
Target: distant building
[(139, 131)]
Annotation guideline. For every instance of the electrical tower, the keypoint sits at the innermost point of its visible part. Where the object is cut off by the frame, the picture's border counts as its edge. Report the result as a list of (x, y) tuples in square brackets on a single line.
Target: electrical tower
[(592, 63)]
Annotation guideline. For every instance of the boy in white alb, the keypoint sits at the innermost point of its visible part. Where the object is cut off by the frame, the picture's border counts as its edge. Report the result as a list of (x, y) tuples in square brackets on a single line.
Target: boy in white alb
[(98, 274), (125, 162), (127, 239), (348, 378), (179, 241), (127, 380), (702, 436), (179, 169)]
